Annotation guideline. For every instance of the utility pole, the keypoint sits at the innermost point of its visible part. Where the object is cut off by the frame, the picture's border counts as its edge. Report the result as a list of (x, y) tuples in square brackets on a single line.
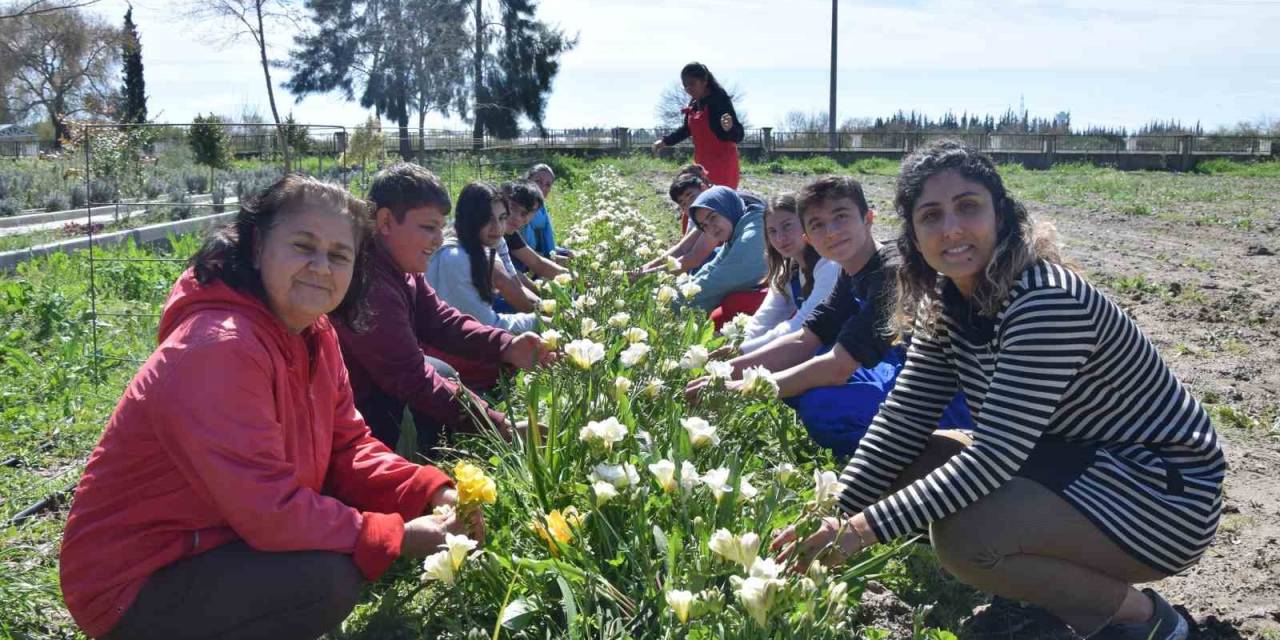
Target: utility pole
[(831, 108)]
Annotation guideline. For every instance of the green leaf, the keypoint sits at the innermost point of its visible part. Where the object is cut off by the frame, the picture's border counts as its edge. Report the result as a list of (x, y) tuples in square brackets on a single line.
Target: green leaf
[(517, 614)]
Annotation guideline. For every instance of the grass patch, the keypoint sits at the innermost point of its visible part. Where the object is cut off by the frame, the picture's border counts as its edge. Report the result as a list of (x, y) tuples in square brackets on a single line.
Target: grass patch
[(1227, 167)]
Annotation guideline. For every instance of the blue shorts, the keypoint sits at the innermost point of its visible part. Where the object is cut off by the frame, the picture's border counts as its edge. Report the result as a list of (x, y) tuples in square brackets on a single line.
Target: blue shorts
[(837, 417)]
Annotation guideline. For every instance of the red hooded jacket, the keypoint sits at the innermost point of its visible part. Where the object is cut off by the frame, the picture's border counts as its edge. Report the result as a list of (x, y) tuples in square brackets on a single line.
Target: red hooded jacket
[(234, 428)]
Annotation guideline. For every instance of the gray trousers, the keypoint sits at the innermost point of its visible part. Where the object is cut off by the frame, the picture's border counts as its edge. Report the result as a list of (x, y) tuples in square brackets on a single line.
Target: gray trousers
[(235, 592)]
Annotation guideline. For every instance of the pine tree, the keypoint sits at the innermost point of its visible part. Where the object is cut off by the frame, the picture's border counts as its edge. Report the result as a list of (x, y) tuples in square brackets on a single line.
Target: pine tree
[(133, 96)]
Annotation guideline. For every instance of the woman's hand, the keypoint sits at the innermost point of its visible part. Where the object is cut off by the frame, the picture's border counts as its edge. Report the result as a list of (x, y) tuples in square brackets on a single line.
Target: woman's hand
[(834, 542), (423, 536), (725, 352), (726, 122)]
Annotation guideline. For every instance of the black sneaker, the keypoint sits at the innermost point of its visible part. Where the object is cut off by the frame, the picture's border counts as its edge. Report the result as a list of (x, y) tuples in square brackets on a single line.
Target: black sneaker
[(1165, 624)]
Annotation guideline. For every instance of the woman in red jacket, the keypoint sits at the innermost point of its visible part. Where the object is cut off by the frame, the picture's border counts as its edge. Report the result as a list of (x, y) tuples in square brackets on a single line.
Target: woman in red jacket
[(713, 124), (236, 491)]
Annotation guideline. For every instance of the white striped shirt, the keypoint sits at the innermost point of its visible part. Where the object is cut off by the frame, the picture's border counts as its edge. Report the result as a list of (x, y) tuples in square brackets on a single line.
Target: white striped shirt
[(1062, 360)]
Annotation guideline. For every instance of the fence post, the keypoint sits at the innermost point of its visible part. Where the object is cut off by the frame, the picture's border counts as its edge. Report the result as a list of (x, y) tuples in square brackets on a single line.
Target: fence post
[(623, 134), (1186, 143), (766, 140)]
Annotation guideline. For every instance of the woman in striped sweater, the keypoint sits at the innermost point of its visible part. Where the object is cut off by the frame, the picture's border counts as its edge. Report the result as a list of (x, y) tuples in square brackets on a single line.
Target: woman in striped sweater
[(1100, 468)]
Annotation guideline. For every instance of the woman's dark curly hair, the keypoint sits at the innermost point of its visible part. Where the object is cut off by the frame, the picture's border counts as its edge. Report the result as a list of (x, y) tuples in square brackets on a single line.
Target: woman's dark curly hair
[(473, 211), (1020, 240), (228, 254)]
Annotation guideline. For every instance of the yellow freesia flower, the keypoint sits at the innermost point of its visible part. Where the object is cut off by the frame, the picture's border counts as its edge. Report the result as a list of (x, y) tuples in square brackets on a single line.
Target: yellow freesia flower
[(474, 487)]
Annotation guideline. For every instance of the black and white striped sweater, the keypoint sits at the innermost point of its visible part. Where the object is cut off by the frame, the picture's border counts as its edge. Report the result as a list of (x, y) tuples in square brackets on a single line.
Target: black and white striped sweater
[(1064, 361)]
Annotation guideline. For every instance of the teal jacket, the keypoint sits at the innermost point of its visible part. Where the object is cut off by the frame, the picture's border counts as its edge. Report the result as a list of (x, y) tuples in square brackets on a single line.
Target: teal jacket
[(739, 265)]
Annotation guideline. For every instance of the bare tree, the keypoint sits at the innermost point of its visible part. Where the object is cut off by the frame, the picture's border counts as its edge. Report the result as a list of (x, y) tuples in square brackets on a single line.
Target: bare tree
[(252, 19), (62, 63), (39, 7)]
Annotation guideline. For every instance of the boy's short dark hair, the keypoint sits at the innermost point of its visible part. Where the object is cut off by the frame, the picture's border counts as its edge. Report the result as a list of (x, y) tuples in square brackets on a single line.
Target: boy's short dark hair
[(828, 188), (404, 186), (684, 182), (525, 193)]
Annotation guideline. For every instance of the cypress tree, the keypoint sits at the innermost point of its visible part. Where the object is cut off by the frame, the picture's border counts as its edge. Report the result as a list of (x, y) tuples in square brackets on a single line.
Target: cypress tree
[(133, 94)]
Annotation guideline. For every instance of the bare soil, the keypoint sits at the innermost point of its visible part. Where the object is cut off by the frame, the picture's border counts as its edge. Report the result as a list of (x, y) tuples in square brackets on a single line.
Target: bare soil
[(1208, 296)]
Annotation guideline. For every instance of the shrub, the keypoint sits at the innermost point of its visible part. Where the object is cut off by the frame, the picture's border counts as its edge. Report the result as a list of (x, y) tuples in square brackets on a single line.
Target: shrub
[(79, 197), (196, 183), (55, 201), (180, 207), (101, 192), (9, 207)]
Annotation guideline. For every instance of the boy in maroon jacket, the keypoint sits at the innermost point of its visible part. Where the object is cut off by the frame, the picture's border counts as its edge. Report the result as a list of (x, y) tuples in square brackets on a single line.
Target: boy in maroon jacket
[(388, 368)]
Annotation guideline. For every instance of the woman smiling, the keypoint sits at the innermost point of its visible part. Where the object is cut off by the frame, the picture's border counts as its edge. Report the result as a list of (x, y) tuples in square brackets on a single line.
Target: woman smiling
[(236, 491), (1101, 468)]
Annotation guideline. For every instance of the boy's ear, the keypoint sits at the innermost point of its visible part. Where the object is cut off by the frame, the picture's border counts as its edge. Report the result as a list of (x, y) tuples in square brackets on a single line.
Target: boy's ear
[(382, 220)]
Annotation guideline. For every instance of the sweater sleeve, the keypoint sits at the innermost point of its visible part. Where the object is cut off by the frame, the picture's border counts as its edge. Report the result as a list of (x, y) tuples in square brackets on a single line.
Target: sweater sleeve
[(718, 105), (367, 475), (679, 135), (449, 273), (389, 350), (1045, 337), (223, 435), (824, 280), (773, 311), (740, 265)]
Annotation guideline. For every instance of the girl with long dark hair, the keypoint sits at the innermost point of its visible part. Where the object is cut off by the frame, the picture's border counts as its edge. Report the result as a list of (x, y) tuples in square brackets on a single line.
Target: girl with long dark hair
[(462, 270), (713, 124)]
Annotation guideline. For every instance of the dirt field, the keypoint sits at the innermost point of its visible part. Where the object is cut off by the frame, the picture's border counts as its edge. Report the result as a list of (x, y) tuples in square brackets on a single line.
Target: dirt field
[(1194, 260)]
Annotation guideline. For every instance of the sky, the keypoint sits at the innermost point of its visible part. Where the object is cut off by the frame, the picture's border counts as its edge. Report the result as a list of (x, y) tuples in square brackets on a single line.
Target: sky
[(1108, 62)]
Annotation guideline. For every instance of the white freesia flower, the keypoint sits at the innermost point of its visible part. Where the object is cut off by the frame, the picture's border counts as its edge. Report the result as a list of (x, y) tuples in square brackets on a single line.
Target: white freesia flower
[(589, 326), (621, 386), (740, 549), (634, 354), (681, 602), (666, 295), (826, 488), (604, 492), (620, 476), (694, 358), (689, 290), (673, 265), (717, 480), (785, 471), (653, 387), (669, 365), (764, 568), (688, 476), (458, 548), (584, 353), (701, 433), (548, 306), (719, 369), (757, 596), (604, 433), (551, 339), (758, 381), (745, 490), (731, 330), (636, 335), (584, 301), (619, 320), (563, 279), (664, 471), (438, 566)]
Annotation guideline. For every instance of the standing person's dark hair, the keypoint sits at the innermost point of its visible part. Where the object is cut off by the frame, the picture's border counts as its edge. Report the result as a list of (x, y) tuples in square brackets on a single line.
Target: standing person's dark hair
[(404, 186), (475, 210), (229, 253), (699, 71), (781, 267), (1020, 240)]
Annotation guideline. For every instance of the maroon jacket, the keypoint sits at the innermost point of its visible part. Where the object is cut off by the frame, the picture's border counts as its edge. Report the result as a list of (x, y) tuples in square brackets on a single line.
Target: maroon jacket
[(388, 356)]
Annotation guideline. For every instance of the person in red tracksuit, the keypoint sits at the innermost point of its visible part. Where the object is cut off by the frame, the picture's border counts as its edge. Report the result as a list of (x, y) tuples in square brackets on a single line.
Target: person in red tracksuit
[(713, 124), (236, 492)]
